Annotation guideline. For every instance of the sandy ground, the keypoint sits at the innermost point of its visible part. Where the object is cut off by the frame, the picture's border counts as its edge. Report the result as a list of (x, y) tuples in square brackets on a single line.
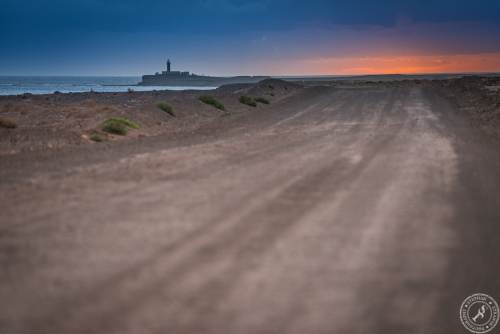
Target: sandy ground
[(363, 209)]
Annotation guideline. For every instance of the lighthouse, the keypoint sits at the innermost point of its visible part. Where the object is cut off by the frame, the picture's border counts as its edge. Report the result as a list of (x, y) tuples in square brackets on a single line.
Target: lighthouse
[(168, 65)]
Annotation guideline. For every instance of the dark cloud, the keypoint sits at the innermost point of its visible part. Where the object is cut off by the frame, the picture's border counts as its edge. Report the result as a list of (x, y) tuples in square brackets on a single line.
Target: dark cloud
[(103, 29)]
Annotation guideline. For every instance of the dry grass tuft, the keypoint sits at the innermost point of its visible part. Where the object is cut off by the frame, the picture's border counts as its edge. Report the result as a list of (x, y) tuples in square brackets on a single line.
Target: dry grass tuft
[(7, 123)]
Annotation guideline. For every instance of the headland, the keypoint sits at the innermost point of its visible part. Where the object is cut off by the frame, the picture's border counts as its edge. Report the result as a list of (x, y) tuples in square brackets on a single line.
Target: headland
[(185, 78)]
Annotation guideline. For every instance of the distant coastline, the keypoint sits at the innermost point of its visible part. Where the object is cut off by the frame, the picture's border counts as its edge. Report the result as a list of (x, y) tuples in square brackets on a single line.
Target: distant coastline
[(186, 78), (16, 85)]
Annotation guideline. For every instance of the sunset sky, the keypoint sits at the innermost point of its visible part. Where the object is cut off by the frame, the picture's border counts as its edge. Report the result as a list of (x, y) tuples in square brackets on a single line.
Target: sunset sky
[(229, 37)]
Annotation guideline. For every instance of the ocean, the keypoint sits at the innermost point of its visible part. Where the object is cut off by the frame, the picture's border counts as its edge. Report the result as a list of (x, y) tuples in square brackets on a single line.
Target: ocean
[(14, 85)]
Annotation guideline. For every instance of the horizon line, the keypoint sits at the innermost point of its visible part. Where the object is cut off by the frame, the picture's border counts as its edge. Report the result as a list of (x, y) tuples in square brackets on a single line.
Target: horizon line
[(270, 76)]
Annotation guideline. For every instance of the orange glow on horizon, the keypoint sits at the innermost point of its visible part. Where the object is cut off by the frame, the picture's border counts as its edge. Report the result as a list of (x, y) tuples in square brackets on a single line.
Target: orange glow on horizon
[(487, 62)]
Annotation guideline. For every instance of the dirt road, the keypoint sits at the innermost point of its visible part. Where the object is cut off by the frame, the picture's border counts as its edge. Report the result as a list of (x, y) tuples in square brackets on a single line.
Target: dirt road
[(356, 210)]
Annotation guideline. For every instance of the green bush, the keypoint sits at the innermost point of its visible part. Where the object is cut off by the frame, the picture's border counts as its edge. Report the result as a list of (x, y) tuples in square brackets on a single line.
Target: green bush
[(208, 99), (249, 101), (118, 125), (166, 108), (125, 121), (115, 128), (262, 100), (96, 137)]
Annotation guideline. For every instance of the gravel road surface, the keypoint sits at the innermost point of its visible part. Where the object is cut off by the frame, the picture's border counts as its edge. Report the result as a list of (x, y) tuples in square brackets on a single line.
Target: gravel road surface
[(355, 210)]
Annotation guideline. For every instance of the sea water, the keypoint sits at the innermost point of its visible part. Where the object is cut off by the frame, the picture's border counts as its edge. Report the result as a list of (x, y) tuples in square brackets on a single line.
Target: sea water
[(14, 85)]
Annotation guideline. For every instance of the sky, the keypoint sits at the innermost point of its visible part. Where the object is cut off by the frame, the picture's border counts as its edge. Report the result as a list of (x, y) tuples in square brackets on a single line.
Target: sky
[(241, 37)]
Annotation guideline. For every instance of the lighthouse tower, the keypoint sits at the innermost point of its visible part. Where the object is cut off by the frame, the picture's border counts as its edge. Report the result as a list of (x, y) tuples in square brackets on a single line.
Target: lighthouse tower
[(168, 65)]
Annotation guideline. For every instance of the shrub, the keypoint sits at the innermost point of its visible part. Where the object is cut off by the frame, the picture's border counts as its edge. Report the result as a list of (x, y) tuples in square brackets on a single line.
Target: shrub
[(7, 123), (125, 121), (96, 137), (166, 108), (118, 125), (262, 100), (208, 99), (115, 128), (249, 101)]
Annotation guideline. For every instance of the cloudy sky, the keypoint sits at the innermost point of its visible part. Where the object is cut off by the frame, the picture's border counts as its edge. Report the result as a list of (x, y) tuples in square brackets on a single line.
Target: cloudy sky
[(226, 37)]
